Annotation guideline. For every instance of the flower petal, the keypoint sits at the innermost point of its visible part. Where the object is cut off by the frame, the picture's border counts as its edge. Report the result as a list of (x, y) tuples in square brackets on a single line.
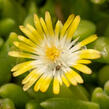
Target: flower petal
[(34, 32), (49, 23), (18, 66), (29, 76), (44, 26), (88, 40), (73, 27), (71, 77), (21, 54), (66, 25), (56, 86), (29, 34), (83, 61), (39, 82), (90, 54), (84, 42), (74, 77), (44, 86), (82, 68), (24, 69), (58, 28), (64, 79), (30, 82), (24, 47), (26, 41), (77, 77), (37, 24)]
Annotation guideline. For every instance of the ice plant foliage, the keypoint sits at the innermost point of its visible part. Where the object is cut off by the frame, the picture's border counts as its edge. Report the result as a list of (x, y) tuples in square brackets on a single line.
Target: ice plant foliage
[(52, 55)]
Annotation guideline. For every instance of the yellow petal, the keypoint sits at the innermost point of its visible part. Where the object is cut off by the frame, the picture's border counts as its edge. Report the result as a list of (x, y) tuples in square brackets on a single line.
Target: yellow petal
[(59, 78), (90, 54), (21, 55), (49, 23), (73, 27), (44, 86), (34, 32), (29, 76), (44, 26), (64, 79), (39, 82), (29, 34), (77, 77), (84, 42), (30, 82), (58, 28), (66, 25), (82, 68), (23, 69), (37, 24), (82, 61), (56, 86), (18, 66), (24, 47), (88, 40), (70, 76), (27, 41)]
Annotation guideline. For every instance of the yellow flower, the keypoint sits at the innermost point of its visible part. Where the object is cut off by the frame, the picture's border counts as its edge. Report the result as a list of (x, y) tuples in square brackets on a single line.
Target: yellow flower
[(52, 54)]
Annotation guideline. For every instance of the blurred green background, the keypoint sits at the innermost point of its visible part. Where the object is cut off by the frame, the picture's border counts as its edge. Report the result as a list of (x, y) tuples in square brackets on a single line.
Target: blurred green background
[(94, 93)]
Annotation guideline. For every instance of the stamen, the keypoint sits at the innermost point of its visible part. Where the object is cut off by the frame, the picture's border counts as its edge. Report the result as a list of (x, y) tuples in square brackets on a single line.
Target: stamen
[(52, 53)]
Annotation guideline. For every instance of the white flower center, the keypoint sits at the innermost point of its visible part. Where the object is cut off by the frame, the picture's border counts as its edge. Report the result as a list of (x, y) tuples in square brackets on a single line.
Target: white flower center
[(55, 55)]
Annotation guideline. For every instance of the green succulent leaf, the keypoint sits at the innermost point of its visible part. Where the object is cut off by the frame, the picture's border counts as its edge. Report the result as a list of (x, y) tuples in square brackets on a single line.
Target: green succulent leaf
[(64, 103)]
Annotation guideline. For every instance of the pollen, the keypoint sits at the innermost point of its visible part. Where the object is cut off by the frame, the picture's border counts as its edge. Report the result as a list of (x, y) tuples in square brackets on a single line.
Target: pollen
[(52, 53)]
